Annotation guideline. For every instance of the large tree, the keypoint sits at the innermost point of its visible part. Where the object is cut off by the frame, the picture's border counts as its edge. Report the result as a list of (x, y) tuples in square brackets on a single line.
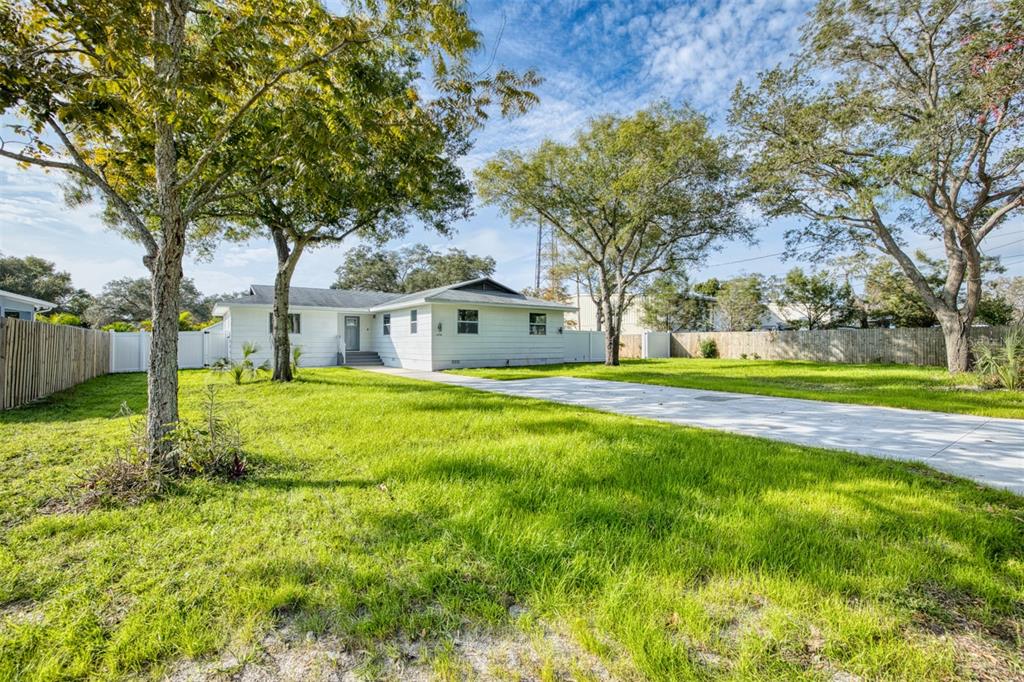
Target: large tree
[(128, 299), (144, 103), (740, 302), (897, 117), (40, 278), (670, 304), (409, 269), (819, 299), (632, 197), (358, 151), (139, 101), (890, 296)]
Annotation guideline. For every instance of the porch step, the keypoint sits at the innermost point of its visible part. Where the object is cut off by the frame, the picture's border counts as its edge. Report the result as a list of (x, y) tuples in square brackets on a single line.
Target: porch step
[(360, 358)]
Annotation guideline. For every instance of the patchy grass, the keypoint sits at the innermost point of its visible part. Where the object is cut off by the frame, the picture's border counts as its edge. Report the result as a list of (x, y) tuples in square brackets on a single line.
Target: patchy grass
[(915, 388), (389, 524)]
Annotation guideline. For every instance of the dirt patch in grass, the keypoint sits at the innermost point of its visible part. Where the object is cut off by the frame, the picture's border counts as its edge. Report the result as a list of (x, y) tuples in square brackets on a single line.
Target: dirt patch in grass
[(285, 655), (991, 651), (20, 612)]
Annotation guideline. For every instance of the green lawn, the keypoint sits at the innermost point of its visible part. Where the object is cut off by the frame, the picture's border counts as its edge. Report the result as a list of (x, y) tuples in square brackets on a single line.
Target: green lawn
[(381, 511), (916, 388)]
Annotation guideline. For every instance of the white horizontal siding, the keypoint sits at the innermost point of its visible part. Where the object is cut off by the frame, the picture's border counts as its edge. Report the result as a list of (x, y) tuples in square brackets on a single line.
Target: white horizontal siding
[(402, 348), (318, 334), (586, 317), (503, 339)]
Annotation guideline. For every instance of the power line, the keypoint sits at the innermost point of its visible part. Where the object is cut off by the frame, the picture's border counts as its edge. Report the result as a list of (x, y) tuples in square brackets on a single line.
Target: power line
[(930, 249)]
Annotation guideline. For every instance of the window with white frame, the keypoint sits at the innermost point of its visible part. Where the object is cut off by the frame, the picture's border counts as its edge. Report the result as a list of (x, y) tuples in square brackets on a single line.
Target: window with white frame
[(413, 322), (469, 322), (538, 324), (294, 323), (387, 324)]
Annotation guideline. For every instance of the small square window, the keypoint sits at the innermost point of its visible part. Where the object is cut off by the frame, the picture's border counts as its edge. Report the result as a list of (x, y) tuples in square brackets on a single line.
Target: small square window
[(294, 323), (387, 324), (413, 322), (538, 324), (469, 322)]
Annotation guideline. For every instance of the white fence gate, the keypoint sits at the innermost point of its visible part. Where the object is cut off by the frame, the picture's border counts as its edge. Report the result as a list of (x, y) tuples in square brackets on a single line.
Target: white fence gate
[(129, 351), (656, 345), (584, 346)]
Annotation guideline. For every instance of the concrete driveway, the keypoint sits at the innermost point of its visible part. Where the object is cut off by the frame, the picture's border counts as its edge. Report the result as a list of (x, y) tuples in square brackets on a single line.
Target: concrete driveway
[(987, 450)]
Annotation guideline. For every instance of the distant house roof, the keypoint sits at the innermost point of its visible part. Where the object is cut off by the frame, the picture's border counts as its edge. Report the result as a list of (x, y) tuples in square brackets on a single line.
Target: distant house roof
[(27, 300), (480, 291)]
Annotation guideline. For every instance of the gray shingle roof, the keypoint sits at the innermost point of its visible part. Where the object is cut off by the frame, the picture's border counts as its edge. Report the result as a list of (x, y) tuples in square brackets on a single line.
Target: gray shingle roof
[(263, 294), (493, 293)]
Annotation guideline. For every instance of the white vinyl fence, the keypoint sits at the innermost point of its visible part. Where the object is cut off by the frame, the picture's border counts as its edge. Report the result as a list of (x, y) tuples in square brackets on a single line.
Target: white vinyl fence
[(584, 346), (129, 351), (656, 345)]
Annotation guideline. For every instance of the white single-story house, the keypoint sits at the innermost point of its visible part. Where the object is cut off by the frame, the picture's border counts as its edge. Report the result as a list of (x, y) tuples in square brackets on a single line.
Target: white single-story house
[(479, 323), (22, 307)]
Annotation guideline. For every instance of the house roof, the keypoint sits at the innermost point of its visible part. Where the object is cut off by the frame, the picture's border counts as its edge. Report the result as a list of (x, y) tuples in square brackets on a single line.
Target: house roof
[(480, 291), (21, 298), (263, 295)]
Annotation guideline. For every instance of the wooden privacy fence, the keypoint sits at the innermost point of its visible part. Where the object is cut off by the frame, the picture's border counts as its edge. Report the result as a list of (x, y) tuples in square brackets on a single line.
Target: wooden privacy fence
[(631, 346), (924, 346), (37, 359)]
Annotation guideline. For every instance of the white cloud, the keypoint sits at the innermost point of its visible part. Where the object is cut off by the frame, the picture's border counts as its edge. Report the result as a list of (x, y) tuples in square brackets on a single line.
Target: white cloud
[(700, 50)]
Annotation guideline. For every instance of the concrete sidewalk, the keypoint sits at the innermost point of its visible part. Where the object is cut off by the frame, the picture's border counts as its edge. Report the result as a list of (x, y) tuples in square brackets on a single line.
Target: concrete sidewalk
[(987, 450)]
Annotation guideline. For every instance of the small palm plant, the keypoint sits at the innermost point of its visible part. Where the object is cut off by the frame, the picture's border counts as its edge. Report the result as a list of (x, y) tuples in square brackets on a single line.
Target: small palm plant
[(1002, 364), (296, 356), (246, 368)]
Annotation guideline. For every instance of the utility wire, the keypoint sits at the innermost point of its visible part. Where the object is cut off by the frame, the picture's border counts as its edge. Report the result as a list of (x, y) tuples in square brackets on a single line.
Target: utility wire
[(930, 249)]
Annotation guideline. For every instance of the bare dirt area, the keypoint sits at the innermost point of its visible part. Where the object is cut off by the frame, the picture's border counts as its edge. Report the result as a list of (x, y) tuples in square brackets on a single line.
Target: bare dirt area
[(286, 656)]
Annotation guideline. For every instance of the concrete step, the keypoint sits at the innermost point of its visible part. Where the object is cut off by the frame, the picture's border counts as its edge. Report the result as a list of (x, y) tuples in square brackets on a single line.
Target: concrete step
[(362, 358)]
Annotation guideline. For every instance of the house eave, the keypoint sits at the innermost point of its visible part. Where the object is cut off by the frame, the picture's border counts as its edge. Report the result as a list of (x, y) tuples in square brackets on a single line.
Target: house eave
[(38, 305)]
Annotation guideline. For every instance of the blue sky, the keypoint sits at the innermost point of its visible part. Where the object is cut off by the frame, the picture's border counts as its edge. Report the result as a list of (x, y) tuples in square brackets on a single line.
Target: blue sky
[(596, 57)]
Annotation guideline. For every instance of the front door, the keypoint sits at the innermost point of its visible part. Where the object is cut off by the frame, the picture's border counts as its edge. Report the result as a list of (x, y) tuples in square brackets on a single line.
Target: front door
[(351, 333)]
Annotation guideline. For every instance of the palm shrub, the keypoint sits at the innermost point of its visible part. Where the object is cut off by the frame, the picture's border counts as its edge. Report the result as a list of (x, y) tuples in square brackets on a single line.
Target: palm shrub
[(246, 368), (1002, 363), (296, 356), (211, 447)]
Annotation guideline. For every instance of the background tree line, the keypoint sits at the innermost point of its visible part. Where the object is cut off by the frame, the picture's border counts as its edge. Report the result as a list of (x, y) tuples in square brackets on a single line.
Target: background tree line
[(857, 291)]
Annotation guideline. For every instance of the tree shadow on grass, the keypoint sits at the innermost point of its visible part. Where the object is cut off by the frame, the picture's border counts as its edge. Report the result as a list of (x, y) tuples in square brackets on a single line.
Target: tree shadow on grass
[(99, 398), (573, 514)]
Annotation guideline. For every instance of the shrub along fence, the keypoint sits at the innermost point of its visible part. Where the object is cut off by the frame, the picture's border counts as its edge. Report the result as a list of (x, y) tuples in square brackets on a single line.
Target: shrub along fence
[(37, 359), (917, 346)]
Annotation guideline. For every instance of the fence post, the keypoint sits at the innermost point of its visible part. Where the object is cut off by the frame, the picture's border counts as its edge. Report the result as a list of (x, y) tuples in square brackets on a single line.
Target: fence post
[(3, 363)]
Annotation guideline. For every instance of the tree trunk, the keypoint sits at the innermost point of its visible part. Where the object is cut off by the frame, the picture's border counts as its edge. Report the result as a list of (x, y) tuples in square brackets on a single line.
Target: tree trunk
[(162, 382), (282, 343), (165, 264), (287, 258), (611, 334), (957, 335)]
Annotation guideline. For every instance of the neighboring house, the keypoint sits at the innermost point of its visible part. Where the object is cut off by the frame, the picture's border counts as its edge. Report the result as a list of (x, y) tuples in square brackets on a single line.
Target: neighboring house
[(479, 323), (585, 319), (22, 307)]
